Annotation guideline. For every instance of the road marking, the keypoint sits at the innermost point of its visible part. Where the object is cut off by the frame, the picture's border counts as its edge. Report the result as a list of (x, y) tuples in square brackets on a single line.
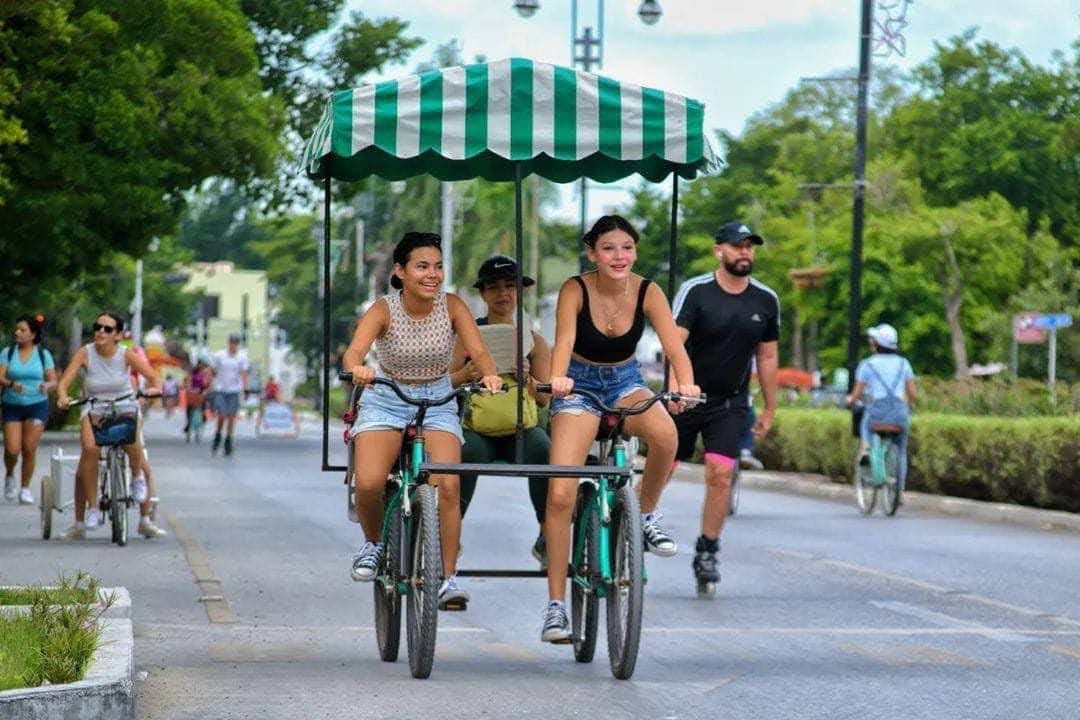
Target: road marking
[(1067, 650), (944, 620), (923, 585), (212, 598), (910, 655), (864, 631)]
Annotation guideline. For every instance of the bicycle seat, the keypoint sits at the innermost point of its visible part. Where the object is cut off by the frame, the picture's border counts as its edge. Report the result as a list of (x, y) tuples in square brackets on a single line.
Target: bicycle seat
[(887, 429), (606, 429)]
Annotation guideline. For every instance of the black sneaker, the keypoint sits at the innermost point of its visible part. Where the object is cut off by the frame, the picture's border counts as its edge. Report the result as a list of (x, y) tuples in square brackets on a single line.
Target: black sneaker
[(228, 445), (706, 566), (556, 624), (657, 540), (539, 551), (216, 445)]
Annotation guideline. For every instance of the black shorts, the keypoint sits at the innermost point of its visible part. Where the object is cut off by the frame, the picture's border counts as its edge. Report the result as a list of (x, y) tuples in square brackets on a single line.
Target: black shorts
[(721, 426)]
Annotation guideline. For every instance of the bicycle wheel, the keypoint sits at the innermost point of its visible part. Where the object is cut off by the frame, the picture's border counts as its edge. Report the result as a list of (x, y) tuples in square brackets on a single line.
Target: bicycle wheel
[(627, 593), (47, 502), (865, 490), (387, 597), (890, 492), (733, 497), (118, 498), (584, 604), (425, 574)]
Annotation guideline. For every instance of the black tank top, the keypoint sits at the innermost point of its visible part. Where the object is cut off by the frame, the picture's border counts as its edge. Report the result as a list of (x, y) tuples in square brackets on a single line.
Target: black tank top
[(593, 345)]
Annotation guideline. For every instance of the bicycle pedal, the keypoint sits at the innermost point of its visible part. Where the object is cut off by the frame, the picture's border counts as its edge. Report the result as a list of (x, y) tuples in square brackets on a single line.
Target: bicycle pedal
[(564, 641), (453, 605)]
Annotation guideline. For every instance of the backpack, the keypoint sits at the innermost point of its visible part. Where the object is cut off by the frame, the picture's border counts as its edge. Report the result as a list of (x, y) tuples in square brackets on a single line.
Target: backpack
[(40, 352), (888, 410)]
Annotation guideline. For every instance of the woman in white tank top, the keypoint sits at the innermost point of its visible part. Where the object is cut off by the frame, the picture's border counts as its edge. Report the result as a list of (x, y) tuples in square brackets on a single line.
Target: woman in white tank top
[(107, 366), (413, 332)]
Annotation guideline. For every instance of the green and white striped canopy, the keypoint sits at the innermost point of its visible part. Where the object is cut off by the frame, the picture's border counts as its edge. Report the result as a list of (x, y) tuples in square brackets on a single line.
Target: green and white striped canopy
[(480, 120)]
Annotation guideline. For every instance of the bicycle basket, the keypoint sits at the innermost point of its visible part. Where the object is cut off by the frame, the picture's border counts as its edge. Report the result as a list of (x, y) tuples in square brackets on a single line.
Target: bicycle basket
[(115, 424)]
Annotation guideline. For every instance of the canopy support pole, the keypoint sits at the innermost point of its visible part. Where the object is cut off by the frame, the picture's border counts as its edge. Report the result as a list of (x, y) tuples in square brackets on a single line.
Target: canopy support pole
[(672, 244), (519, 252), (326, 327)]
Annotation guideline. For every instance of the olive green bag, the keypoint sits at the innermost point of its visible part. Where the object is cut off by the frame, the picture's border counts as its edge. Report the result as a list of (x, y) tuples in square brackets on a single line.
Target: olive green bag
[(495, 414)]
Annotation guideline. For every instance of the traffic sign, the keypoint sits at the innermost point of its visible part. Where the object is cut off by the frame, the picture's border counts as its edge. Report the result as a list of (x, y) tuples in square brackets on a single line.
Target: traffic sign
[(1052, 322)]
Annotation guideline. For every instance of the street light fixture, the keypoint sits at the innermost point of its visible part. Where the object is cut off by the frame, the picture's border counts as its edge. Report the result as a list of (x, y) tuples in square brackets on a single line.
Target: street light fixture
[(526, 8), (650, 12)]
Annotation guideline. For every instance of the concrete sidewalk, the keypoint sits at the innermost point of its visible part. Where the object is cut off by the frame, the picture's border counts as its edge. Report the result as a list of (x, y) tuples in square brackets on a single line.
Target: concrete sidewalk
[(822, 486)]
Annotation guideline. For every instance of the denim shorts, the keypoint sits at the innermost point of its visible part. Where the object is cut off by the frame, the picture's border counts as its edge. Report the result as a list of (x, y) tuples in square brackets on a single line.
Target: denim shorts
[(35, 412), (381, 409), (610, 383)]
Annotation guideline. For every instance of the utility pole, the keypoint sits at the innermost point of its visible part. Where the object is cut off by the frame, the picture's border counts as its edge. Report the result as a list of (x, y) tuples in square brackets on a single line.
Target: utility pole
[(136, 305), (855, 301), (447, 232)]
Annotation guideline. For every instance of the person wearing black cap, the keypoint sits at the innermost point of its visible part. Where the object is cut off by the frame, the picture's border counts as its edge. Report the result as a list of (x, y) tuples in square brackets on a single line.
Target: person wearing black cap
[(230, 378), (490, 421), (727, 320)]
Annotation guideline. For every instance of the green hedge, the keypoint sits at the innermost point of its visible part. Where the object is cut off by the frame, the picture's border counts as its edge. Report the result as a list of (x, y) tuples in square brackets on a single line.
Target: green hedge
[(1028, 461)]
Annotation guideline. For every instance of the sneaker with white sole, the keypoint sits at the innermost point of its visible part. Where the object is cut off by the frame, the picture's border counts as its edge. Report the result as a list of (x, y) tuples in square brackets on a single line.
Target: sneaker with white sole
[(148, 529), (138, 489), (451, 596), (75, 532), (747, 461), (93, 519), (539, 551), (25, 496), (9, 489), (657, 539), (556, 624), (365, 563)]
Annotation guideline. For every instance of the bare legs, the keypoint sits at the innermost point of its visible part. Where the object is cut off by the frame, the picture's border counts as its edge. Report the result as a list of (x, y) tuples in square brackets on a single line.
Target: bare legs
[(571, 436)]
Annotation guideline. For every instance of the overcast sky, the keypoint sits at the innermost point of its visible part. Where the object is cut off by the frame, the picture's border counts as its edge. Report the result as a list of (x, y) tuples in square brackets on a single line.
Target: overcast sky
[(737, 57)]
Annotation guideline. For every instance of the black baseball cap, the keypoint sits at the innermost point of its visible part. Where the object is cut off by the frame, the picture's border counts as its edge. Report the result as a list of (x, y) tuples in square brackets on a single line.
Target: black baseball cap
[(499, 267), (735, 232)]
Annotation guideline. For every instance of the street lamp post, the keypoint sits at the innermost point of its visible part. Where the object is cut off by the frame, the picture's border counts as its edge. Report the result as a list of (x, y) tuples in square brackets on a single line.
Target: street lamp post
[(649, 11)]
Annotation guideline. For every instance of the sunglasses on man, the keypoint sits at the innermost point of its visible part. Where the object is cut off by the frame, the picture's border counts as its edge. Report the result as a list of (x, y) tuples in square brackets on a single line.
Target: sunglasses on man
[(107, 329)]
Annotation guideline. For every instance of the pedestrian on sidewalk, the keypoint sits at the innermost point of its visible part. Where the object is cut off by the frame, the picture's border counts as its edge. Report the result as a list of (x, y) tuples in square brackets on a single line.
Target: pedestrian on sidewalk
[(230, 368), (727, 320), (27, 375)]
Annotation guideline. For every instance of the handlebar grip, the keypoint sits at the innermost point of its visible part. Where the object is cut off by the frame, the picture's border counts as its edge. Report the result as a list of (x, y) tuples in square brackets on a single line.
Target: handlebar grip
[(543, 388), (344, 376)]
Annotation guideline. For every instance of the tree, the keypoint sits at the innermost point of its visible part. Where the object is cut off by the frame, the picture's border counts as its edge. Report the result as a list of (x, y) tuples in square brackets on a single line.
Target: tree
[(125, 106)]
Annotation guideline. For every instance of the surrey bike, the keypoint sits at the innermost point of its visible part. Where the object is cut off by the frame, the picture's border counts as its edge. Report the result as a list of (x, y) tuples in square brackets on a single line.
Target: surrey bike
[(607, 555), (411, 565), (115, 424)]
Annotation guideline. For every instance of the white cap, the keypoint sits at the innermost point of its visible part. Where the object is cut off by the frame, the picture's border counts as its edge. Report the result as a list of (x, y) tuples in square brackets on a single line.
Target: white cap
[(884, 335)]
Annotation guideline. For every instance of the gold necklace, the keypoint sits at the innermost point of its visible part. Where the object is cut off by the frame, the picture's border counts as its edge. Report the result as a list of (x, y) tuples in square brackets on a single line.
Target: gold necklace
[(618, 304)]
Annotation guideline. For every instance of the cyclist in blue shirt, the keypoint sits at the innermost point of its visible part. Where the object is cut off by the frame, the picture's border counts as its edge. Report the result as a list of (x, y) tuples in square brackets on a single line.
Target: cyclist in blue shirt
[(27, 374), (884, 373)]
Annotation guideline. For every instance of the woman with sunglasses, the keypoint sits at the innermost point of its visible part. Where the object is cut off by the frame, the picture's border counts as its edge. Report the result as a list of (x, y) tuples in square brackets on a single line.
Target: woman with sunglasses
[(106, 366), (27, 374)]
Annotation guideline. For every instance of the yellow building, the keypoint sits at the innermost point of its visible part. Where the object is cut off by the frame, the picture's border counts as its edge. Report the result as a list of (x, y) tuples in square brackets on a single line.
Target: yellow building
[(233, 296)]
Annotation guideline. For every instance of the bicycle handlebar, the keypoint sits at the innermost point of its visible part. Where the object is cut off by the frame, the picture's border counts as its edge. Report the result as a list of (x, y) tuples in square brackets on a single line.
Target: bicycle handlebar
[(635, 409), (464, 389), (92, 400)]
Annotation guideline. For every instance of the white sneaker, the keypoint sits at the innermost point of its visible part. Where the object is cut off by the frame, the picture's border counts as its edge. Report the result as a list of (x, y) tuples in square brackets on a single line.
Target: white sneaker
[(9, 489), (747, 460), (25, 496), (138, 489), (75, 532), (93, 519), (148, 529)]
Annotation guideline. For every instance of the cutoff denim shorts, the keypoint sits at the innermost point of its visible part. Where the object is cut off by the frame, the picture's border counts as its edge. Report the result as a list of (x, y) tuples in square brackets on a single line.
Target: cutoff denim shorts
[(609, 382), (381, 409)]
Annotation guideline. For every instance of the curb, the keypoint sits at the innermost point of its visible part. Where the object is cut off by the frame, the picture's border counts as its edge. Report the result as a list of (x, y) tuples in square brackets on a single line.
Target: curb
[(107, 691), (822, 486), (119, 609)]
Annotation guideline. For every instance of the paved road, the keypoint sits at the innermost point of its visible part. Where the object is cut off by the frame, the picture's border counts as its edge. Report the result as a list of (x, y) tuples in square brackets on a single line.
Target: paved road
[(822, 613)]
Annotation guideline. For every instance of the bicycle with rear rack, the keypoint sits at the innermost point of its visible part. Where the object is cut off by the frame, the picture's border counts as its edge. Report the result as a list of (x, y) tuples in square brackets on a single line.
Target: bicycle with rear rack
[(877, 474), (607, 555), (411, 565), (114, 423)]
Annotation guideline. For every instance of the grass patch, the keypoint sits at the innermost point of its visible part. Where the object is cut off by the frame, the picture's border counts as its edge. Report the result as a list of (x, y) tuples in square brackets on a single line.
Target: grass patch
[(53, 643), (52, 596)]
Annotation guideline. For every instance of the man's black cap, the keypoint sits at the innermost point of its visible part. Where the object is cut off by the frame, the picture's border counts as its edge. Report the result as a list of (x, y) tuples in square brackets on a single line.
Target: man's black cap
[(499, 267), (735, 232)]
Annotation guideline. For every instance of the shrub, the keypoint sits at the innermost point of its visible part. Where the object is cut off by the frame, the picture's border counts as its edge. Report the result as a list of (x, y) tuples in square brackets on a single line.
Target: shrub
[(1027, 460)]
